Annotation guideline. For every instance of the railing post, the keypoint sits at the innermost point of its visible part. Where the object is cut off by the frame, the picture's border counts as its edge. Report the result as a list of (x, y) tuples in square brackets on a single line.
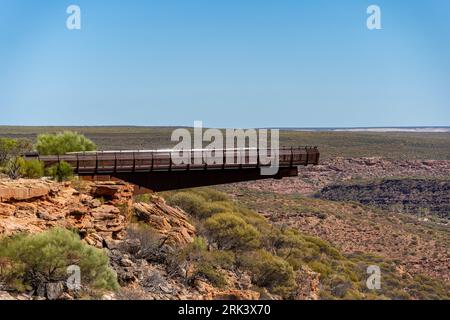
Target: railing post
[(292, 156), (257, 157), (153, 162), (134, 162), (224, 159), (307, 156)]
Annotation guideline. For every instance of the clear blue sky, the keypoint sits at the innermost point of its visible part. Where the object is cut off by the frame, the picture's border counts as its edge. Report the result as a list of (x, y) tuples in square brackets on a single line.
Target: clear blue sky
[(246, 63)]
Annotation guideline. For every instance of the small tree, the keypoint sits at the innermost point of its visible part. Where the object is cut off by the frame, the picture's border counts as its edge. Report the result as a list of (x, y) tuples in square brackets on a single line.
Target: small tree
[(230, 231), (14, 166), (34, 260), (13, 148), (61, 143), (6, 146)]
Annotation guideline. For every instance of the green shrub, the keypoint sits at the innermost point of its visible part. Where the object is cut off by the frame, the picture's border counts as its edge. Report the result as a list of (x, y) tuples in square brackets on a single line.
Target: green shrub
[(270, 271), (61, 172), (32, 169), (33, 260), (211, 194), (13, 167), (18, 167), (229, 231), (13, 148), (207, 270), (61, 143), (206, 264), (189, 202)]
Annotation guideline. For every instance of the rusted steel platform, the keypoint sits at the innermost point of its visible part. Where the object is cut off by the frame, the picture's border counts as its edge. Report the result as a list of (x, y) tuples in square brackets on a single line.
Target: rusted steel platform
[(156, 169)]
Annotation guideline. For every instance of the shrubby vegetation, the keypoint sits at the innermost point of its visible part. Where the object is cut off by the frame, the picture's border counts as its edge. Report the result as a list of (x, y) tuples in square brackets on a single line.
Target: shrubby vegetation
[(272, 255), (61, 143), (205, 263), (229, 231), (11, 148), (32, 169), (11, 161), (270, 271), (60, 172), (30, 261), (15, 166)]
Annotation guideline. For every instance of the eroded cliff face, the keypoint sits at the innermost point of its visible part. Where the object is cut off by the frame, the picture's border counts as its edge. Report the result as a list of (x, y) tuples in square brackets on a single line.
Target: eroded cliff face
[(99, 211)]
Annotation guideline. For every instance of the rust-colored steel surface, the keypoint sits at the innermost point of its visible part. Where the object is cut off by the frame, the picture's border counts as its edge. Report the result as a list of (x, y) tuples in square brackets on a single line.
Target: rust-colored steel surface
[(157, 170)]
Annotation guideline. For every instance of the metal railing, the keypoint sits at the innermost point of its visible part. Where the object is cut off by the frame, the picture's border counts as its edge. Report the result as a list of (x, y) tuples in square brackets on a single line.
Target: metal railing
[(110, 162)]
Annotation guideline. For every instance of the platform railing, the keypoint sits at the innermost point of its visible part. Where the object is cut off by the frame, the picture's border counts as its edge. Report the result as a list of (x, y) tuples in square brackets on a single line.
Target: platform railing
[(109, 162)]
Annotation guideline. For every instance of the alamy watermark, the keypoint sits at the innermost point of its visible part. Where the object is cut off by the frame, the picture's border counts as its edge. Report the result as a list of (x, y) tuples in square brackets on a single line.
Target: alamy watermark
[(374, 280), (73, 21), (374, 20), (238, 146), (73, 282)]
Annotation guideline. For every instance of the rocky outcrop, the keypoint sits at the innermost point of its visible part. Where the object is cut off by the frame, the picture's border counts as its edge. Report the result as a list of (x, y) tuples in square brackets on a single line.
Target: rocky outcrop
[(170, 223), (21, 190), (36, 205)]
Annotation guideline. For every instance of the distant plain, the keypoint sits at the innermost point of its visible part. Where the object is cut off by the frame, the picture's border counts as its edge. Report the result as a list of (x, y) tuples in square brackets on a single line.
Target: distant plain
[(393, 145)]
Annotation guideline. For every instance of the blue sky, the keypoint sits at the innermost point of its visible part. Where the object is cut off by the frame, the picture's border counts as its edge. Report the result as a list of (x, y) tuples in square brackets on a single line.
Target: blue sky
[(247, 63)]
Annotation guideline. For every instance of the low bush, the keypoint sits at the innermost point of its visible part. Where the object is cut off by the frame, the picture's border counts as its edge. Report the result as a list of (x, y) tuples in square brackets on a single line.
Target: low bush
[(205, 263), (189, 202), (32, 169), (229, 231), (61, 172), (270, 271)]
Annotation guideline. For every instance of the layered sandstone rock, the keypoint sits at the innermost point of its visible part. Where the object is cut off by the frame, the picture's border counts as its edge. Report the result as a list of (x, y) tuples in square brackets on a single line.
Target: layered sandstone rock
[(171, 223), (22, 190), (36, 205)]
